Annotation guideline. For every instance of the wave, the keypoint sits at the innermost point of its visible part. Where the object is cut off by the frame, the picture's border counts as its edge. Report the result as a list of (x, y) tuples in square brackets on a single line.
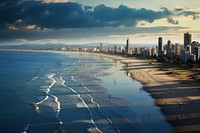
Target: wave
[(34, 78), (97, 105), (85, 105), (50, 76), (62, 81), (26, 128), (55, 106), (98, 108)]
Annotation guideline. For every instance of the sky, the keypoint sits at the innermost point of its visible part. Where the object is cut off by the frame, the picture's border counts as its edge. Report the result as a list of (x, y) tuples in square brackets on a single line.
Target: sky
[(98, 21)]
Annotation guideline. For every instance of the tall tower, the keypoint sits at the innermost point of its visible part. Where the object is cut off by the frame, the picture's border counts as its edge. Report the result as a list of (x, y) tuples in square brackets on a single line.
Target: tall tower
[(168, 46), (127, 46), (160, 48), (187, 39)]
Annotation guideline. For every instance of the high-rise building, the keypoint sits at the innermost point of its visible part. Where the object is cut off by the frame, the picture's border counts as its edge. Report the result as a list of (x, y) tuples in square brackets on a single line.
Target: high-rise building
[(101, 47), (153, 51), (160, 47), (168, 46), (177, 49), (197, 53), (193, 45), (187, 39), (115, 49), (127, 46), (188, 48)]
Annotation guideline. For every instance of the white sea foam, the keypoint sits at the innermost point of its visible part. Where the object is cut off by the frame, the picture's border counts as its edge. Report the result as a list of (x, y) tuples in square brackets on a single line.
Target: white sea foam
[(57, 106), (98, 108), (91, 115), (26, 128), (83, 103), (48, 89), (38, 103), (34, 78), (50, 76), (62, 81), (47, 94)]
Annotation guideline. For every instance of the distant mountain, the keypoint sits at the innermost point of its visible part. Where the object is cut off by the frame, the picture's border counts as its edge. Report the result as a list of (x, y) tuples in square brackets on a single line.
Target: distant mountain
[(59, 45), (38, 46)]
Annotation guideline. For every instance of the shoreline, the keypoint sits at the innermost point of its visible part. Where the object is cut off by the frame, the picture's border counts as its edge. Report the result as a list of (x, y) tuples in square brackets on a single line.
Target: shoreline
[(177, 97)]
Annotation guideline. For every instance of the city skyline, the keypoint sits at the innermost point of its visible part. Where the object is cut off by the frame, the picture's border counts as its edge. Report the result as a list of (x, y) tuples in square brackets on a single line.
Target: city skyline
[(87, 21)]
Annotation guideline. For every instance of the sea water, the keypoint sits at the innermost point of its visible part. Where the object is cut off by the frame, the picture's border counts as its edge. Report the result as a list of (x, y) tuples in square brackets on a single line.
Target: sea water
[(44, 92)]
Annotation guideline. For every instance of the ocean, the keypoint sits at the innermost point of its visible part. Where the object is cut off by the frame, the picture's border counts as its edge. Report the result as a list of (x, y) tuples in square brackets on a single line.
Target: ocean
[(58, 92)]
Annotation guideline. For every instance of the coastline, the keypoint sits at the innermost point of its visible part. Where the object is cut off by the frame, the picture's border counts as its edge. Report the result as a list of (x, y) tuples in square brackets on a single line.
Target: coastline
[(177, 96)]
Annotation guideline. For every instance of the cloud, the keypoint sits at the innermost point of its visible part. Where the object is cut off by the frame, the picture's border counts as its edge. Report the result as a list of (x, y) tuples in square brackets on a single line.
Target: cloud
[(55, 1), (74, 33), (57, 19), (190, 13), (55, 15), (178, 9), (21, 40), (172, 21), (185, 12)]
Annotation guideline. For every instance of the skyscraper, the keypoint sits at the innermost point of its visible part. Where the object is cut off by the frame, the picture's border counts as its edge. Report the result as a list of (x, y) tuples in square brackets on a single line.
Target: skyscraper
[(197, 53), (160, 48), (177, 49), (168, 46), (193, 45), (187, 39), (127, 46)]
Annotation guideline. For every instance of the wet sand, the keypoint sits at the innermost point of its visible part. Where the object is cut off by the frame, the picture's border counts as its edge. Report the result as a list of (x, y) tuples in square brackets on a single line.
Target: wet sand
[(177, 95)]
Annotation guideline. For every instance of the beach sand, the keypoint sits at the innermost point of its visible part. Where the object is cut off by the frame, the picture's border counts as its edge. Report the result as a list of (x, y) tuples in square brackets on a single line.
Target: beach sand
[(177, 95)]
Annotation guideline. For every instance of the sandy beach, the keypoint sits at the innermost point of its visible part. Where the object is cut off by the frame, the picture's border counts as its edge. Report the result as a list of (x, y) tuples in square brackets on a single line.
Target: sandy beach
[(177, 95)]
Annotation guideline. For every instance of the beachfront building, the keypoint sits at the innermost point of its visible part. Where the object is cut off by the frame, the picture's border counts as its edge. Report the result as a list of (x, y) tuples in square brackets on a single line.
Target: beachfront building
[(153, 51), (146, 53), (194, 45), (115, 49), (101, 47), (137, 51), (127, 48), (188, 48), (177, 49), (187, 39), (187, 57), (197, 53), (121, 49), (160, 47), (168, 47)]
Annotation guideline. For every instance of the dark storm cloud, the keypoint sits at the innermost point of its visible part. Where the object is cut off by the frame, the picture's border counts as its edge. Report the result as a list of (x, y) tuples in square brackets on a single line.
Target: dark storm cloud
[(124, 15), (32, 20), (19, 14)]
